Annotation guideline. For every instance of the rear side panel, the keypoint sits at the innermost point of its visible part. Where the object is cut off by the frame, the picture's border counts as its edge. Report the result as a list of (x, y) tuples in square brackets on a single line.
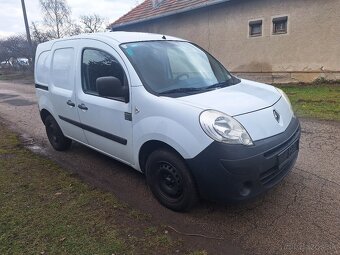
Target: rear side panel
[(54, 81), (41, 75)]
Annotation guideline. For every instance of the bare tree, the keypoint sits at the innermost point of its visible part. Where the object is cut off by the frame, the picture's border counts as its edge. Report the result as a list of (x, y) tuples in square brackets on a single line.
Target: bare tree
[(92, 23), (74, 29), (58, 23), (57, 18), (5, 55), (16, 47), (38, 34)]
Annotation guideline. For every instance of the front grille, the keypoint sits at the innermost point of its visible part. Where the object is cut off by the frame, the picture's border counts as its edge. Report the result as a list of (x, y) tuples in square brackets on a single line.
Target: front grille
[(283, 145), (275, 174)]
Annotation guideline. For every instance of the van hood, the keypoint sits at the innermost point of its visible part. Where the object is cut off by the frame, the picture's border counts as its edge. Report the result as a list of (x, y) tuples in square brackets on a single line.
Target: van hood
[(244, 97)]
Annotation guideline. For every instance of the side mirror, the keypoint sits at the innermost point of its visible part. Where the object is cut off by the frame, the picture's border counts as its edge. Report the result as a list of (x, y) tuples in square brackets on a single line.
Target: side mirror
[(110, 86)]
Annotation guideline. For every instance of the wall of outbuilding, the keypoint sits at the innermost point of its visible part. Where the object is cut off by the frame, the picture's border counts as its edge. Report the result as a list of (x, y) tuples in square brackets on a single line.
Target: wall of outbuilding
[(310, 49)]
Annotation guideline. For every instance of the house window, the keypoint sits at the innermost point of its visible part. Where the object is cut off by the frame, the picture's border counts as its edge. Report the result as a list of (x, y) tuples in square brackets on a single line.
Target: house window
[(255, 28), (280, 25)]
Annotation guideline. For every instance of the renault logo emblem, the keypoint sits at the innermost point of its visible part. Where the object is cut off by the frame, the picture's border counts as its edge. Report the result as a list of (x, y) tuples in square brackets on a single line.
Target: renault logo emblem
[(276, 115)]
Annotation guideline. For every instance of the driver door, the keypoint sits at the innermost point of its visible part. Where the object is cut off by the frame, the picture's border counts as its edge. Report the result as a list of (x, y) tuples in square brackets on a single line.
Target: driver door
[(104, 120)]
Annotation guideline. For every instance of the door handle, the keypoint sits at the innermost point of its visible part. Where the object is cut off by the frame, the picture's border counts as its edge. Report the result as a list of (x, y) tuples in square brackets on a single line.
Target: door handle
[(83, 107), (70, 103)]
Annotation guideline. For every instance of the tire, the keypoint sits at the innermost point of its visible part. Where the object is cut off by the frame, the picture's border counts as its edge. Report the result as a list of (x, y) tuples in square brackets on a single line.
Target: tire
[(56, 137), (170, 180)]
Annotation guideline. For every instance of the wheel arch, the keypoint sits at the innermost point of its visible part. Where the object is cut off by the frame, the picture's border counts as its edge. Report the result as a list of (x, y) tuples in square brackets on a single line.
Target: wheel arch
[(43, 114), (150, 146)]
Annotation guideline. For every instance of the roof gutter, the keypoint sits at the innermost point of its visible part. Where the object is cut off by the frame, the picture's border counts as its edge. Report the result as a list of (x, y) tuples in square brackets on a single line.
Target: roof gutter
[(188, 9)]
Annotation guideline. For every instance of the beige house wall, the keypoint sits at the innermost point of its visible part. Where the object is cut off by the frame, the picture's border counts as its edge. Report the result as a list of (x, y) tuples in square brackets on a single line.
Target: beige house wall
[(310, 49)]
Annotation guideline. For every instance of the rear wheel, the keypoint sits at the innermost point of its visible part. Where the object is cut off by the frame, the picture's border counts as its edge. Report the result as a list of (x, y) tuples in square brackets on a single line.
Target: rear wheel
[(56, 137), (170, 180)]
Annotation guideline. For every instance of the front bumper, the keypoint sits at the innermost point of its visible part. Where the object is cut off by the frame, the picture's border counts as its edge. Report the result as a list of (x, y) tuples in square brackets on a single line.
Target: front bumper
[(225, 172)]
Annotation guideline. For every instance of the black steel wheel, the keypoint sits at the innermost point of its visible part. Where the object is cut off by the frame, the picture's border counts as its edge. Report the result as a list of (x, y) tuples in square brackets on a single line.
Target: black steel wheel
[(56, 137), (170, 180)]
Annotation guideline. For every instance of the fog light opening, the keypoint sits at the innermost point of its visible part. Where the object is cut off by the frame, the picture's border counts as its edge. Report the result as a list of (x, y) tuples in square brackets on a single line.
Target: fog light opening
[(245, 189)]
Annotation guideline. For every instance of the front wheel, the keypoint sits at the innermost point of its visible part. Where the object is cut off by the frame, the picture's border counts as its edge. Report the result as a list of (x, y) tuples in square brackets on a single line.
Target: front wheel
[(170, 180), (56, 137)]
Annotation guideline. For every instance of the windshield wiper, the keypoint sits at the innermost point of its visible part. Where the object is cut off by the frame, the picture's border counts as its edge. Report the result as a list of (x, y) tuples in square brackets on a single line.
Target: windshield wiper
[(193, 89), (217, 85), (180, 90)]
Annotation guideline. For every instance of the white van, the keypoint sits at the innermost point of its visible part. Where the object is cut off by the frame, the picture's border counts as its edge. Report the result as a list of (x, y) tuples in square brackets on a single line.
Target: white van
[(167, 108)]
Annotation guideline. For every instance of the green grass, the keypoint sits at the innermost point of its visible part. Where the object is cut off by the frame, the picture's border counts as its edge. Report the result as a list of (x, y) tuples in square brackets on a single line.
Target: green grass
[(320, 101), (46, 210)]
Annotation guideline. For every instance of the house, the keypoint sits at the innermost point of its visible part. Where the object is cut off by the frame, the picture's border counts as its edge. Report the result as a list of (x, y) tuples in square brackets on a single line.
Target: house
[(273, 41)]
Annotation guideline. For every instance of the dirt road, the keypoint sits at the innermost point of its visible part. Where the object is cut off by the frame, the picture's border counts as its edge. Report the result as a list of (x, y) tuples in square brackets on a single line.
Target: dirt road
[(299, 216)]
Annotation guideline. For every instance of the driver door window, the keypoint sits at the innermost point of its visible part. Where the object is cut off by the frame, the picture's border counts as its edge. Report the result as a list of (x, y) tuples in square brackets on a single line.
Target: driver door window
[(96, 64)]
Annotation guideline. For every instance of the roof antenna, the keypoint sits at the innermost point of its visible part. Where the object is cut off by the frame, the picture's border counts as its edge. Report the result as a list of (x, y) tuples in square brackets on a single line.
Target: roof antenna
[(164, 37)]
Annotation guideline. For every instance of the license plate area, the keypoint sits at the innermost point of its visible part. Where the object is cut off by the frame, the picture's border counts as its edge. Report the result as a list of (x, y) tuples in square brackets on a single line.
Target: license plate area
[(287, 153)]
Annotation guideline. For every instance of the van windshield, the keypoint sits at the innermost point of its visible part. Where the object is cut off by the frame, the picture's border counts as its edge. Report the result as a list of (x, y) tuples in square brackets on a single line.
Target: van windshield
[(176, 68)]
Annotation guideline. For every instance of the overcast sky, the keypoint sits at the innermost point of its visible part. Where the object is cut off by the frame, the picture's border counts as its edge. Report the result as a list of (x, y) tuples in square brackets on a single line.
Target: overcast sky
[(12, 21)]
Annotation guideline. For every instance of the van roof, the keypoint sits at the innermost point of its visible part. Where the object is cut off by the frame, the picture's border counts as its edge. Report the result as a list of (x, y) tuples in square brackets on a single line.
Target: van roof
[(124, 37), (119, 37)]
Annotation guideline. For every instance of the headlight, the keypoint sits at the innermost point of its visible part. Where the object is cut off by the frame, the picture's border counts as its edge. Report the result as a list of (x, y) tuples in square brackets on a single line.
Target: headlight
[(223, 128), (285, 97)]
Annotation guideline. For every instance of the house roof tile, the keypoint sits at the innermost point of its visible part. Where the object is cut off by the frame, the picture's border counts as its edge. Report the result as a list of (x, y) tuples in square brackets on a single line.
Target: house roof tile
[(146, 10)]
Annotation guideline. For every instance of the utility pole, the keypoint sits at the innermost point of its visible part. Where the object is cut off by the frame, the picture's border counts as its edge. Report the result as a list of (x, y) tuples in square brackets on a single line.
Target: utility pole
[(27, 28)]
